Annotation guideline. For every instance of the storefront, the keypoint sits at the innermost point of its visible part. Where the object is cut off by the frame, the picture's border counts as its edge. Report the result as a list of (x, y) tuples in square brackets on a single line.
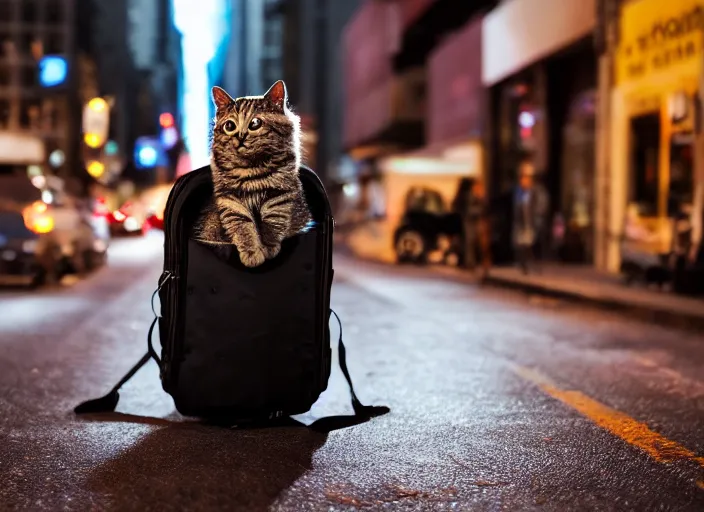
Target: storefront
[(655, 111), (539, 64), (453, 110), (454, 124)]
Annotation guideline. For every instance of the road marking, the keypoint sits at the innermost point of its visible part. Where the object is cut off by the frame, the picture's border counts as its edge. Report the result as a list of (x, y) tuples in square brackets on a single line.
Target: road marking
[(621, 425)]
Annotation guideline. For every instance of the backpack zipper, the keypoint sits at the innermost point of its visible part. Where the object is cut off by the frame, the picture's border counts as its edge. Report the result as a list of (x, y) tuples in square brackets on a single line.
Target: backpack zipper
[(326, 284), (323, 316), (172, 265)]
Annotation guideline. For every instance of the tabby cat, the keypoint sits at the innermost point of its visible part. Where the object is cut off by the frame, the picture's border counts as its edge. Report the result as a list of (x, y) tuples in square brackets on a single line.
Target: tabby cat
[(258, 198)]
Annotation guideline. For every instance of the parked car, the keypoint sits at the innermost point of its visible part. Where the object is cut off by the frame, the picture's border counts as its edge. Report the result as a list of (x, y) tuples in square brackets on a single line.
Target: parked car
[(425, 221), (154, 221), (42, 242)]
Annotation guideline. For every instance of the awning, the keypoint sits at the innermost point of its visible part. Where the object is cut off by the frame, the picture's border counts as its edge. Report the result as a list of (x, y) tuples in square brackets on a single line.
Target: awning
[(460, 157)]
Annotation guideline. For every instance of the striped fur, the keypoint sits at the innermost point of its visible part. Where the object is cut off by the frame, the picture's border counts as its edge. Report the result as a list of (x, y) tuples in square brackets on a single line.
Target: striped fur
[(258, 198)]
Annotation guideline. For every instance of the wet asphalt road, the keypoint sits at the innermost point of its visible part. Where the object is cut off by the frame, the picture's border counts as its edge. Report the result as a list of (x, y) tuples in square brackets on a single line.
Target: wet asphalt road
[(498, 402)]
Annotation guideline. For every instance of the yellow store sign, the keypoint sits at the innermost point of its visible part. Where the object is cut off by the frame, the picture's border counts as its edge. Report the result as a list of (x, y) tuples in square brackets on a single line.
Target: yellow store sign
[(657, 36)]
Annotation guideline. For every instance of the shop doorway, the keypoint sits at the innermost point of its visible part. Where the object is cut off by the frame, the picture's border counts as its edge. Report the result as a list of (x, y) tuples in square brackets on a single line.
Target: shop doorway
[(681, 189), (571, 109), (645, 157)]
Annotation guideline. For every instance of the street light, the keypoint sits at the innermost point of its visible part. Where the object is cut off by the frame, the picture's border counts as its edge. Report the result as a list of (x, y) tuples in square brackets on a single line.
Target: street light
[(92, 140), (97, 104), (96, 122), (95, 169)]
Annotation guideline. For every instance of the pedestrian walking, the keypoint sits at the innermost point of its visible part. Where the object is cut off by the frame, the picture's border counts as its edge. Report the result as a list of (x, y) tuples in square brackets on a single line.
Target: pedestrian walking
[(529, 216), (480, 212)]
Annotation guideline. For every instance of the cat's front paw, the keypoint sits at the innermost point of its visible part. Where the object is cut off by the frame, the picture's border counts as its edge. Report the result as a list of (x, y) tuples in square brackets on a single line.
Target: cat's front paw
[(253, 257), (272, 251)]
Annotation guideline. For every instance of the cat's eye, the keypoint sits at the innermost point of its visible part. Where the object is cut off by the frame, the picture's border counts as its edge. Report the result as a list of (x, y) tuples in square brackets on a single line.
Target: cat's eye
[(229, 127), (255, 124)]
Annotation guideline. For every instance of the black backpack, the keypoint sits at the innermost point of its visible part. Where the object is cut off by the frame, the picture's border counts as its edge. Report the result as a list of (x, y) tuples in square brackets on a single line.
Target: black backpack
[(241, 343)]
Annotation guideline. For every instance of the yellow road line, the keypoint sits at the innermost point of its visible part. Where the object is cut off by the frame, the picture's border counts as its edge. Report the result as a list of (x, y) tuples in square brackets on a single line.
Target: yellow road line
[(619, 424)]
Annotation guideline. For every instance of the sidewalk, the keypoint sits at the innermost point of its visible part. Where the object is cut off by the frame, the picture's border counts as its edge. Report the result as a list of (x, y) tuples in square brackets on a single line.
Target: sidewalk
[(588, 285), (570, 282)]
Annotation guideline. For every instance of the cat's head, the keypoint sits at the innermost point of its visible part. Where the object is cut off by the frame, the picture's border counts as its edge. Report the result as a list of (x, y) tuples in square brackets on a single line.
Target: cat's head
[(254, 131)]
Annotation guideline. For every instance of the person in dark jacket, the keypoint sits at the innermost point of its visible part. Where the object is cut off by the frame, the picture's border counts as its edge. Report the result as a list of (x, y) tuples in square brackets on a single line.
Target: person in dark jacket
[(479, 209), (529, 215)]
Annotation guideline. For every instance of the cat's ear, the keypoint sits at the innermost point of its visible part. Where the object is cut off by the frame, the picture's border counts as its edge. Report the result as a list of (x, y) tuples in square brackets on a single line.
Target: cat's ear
[(220, 98), (277, 94)]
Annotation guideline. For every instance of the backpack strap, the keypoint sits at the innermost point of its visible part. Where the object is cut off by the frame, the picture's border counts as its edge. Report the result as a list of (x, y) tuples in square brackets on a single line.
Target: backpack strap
[(361, 410), (108, 403)]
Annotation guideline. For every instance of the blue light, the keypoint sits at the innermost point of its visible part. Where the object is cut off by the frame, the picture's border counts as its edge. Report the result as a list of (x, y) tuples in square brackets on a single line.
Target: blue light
[(147, 156), (53, 71), (149, 153)]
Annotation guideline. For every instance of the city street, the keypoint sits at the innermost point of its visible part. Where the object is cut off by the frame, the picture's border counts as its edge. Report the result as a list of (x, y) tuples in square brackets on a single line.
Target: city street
[(498, 401)]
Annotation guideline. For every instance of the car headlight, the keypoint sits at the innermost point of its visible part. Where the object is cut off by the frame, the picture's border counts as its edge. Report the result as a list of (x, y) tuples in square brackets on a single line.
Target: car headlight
[(131, 224), (29, 246)]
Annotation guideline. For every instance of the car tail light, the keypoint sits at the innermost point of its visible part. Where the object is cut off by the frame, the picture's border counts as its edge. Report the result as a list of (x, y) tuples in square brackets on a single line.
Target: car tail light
[(38, 219), (101, 210)]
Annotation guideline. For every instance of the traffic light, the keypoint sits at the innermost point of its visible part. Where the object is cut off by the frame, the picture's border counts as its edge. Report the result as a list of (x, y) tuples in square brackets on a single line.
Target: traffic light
[(95, 168)]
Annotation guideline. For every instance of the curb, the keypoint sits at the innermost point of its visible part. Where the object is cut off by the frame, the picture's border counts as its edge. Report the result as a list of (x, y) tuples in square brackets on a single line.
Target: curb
[(658, 315), (663, 316)]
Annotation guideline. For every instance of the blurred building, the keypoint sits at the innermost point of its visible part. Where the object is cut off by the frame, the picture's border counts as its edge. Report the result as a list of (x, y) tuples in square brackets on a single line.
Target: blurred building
[(604, 96), (45, 66), (414, 101), (137, 50), (59, 54), (205, 28), (655, 151), (248, 45), (302, 45), (540, 66), (272, 58)]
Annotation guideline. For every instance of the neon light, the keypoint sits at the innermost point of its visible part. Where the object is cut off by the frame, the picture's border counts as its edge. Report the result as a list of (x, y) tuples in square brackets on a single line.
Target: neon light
[(147, 156), (526, 120), (53, 71), (204, 26), (166, 120), (111, 147)]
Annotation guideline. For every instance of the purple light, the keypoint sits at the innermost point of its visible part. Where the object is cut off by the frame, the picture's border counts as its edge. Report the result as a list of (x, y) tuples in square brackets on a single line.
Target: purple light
[(169, 137), (526, 120)]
